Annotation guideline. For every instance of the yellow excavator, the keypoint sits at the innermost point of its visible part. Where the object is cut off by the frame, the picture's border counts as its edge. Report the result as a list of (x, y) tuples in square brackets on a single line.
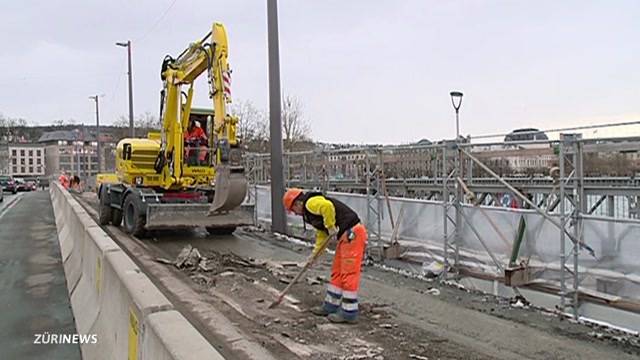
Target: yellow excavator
[(190, 174)]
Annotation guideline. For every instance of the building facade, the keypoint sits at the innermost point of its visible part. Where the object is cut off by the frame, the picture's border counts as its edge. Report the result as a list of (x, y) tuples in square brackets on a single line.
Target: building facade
[(4, 158), (26, 160), (73, 151)]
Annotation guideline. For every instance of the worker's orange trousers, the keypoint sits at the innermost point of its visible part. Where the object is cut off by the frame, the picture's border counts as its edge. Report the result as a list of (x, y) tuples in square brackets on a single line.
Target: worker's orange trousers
[(342, 291)]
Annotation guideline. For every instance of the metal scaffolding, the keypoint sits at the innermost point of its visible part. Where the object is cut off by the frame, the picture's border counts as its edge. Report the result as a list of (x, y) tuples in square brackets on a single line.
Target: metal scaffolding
[(563, 199), (373, 170)]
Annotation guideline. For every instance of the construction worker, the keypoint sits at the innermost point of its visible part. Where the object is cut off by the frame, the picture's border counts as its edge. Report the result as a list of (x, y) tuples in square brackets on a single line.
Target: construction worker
[(63, 179), (196, 137), (332, 217)]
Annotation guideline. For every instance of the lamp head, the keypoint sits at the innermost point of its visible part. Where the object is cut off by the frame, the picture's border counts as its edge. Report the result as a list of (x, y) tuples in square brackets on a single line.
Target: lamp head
[(456, 99)]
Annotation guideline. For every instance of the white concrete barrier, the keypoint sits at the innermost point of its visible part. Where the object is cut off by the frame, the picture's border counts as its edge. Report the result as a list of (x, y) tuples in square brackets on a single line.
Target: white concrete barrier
[(85, 298), (113, 299), (76, 241), (127, 297), (171, 336)]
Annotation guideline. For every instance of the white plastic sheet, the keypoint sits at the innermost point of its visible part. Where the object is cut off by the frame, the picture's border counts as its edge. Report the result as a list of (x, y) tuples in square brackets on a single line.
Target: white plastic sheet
[(616, 242)]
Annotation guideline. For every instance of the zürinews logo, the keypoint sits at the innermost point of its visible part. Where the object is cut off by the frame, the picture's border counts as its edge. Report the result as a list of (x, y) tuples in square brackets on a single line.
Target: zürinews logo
[(48, 338)]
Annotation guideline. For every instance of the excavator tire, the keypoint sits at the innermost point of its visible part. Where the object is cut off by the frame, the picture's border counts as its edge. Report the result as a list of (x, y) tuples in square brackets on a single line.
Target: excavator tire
[(134, 219), (104, 209), (116, 217)]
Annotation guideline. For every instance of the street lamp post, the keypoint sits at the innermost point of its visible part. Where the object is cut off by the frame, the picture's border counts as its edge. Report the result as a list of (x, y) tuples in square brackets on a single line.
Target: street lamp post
[(278, 218), (456, 101), (96, 99), (128, 46)]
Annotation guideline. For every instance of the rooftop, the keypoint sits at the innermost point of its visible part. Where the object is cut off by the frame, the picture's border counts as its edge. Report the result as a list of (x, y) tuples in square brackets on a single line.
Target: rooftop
[(66, 135)]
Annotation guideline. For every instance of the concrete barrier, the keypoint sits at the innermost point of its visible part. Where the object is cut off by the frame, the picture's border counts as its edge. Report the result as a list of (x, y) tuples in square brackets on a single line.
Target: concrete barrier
[(171, 336), (75, 241), (113, 299), (85, 298), (127, 298)]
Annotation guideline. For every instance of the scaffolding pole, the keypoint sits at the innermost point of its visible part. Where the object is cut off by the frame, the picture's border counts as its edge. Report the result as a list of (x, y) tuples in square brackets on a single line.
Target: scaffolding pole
[(374, 205), (563, 220)]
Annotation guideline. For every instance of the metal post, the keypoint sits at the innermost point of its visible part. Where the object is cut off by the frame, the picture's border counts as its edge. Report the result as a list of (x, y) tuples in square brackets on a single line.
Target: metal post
[(96, 99), (456, 101), (563, 220), (130, 75), (457, 124), (373, 211), (458, 203), (445, 209), (304, 168), (131, 125), (611, 206), (580, 209), (78, 147), (324, 186), (278, 220), (469, 172), (379, 180)]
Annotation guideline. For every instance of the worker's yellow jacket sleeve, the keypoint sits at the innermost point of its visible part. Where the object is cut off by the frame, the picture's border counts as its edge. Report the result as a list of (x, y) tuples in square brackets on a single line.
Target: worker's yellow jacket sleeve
[(321, 238), (319, 205)]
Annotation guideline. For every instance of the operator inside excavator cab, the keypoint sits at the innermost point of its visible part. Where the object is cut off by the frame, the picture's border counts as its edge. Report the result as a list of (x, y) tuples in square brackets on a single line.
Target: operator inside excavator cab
[(197, 141)]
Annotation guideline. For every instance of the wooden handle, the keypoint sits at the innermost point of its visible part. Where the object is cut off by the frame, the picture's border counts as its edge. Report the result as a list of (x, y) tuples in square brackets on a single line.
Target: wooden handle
[(304, 269)]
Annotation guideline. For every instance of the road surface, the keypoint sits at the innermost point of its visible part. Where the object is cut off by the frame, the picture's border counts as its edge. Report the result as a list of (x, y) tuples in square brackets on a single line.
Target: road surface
[(33, 293)]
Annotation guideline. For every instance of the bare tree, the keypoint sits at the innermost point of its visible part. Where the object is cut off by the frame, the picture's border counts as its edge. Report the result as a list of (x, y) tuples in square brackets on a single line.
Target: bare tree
[(63, 122), (252, 122), (142, 121), (295, 128), (12, 129)]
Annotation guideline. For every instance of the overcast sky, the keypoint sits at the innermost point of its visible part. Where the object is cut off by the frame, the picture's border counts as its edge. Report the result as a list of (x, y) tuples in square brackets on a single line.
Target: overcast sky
[(371, 71)]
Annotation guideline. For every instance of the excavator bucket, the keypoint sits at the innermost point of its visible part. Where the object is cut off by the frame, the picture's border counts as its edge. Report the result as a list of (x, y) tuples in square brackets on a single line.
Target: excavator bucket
[(225, 212), (175, 216), (230, 189)]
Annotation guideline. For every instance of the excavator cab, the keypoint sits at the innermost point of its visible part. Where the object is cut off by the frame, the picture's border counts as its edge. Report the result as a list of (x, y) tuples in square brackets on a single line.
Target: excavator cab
[(197, 150)]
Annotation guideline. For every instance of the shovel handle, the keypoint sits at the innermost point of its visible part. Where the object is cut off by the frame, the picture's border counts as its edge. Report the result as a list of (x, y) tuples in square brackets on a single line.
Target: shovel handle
[(302, 271)]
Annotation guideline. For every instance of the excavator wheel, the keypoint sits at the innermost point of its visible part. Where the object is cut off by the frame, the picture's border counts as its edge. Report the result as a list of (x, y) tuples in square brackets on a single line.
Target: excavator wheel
[(104, 208), (228, 230), (116, 217), (134, 218)]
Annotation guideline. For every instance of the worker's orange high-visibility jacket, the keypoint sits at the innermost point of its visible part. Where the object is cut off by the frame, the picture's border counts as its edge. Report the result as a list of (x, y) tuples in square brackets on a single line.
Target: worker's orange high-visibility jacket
[(64, 181), (196, 134)]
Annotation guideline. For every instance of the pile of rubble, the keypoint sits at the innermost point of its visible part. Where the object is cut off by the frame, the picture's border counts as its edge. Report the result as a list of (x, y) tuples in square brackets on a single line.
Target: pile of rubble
[(204, 270)]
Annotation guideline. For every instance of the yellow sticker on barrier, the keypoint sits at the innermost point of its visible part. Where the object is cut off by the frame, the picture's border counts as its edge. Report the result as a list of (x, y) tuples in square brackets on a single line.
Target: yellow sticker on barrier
[(98, 273), (133, 335)]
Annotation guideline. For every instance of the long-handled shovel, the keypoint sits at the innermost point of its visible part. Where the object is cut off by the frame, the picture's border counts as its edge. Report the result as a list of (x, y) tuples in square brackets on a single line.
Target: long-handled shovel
[(304, 269)]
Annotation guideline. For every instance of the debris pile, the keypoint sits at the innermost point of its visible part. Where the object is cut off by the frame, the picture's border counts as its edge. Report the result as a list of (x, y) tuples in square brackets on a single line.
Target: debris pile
[(191, 260)]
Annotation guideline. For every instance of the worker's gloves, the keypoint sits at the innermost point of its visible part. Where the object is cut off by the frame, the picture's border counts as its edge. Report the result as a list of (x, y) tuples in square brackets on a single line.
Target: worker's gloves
[(333, 231)]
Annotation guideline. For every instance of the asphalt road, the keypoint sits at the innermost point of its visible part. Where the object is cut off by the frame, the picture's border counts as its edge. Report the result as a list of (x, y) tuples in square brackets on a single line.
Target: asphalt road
[(33, 293)]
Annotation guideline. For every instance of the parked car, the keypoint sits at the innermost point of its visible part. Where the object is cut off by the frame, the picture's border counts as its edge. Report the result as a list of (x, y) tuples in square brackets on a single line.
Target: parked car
[(8, 184), (32, 185), (22, 185), (1, 194)]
